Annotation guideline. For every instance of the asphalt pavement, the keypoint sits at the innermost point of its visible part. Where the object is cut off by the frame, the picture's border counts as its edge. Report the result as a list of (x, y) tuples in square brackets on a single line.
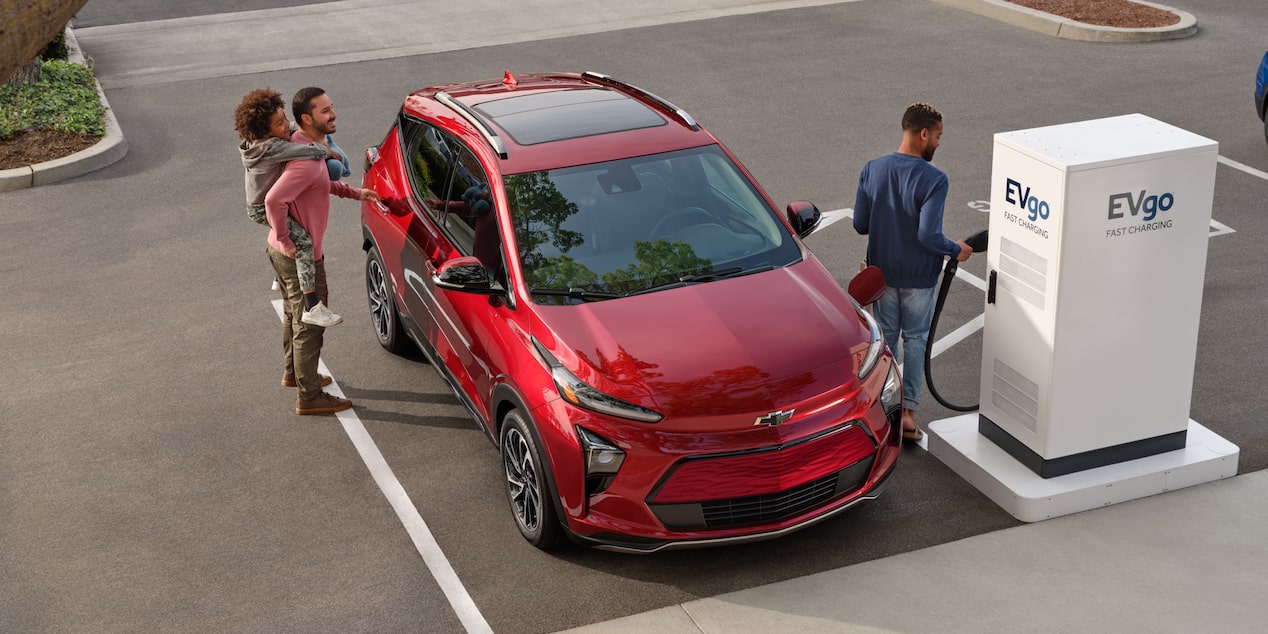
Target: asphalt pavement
[(153, 504)]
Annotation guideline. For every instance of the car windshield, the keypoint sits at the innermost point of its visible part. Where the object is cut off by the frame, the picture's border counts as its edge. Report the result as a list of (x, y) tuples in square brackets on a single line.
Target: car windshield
[(614, 229)]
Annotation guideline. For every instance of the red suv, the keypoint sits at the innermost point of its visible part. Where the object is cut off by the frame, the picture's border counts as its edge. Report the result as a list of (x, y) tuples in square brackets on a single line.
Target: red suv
[(659, 358)]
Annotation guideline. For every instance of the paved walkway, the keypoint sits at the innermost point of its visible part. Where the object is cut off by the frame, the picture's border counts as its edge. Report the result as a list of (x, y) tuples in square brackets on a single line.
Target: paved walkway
[(159, 51), (1186, 561)]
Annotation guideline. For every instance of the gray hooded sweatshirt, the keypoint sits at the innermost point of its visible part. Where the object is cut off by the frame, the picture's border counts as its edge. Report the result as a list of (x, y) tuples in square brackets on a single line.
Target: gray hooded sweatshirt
[(265, 159)]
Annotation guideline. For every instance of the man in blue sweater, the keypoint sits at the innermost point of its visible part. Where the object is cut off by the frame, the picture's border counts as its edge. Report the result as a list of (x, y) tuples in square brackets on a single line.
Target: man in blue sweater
[(899, 207)]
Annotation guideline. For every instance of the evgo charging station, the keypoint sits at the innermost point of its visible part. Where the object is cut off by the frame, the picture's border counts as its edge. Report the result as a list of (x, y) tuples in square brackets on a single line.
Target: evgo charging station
[(1096, 263)]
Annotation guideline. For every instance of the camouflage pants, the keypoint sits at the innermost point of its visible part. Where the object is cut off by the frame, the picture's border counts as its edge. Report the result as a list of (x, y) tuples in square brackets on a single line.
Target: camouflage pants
[(304, 264)]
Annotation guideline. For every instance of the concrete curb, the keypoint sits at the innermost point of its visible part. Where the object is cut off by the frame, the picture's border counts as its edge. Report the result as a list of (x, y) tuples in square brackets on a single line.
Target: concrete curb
[(1058, 26), (107, 151)]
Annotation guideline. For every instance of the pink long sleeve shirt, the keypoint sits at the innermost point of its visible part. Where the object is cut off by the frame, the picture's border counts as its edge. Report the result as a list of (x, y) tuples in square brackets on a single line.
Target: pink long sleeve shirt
[(303, 192)]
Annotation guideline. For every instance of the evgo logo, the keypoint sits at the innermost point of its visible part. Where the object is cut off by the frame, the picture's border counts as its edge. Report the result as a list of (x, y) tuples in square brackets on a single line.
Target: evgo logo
[(1150, 205), (1035, 209)]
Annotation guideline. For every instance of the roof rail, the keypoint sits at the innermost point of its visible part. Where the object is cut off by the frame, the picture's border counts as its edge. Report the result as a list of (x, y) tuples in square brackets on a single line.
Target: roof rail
[(467, 113), (616, 83)]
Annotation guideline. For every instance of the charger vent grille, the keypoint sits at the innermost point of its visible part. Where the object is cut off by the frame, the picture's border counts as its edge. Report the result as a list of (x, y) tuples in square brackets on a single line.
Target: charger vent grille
[(1015, 395), (1024, 273)]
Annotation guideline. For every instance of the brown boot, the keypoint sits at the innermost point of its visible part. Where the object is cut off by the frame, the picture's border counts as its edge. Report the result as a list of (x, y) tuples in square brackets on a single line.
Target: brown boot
[(288, 380), (325, 403)]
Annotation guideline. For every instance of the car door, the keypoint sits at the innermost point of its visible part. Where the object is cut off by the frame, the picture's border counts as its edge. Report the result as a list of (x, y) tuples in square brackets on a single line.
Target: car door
[(429, 161), (479, 326)]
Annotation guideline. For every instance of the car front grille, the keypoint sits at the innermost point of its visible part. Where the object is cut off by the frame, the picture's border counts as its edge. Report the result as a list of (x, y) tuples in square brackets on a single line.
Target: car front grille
[(761, 509), (768, 508), (806, 475)]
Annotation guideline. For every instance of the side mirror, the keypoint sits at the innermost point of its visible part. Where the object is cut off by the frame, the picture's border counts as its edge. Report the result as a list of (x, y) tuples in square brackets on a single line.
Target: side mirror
[(867, 286), (803, 216), (467, 275)]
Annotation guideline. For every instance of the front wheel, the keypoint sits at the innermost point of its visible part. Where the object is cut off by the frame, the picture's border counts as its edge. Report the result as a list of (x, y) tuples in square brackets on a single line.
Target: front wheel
[(387, 322), (526, 487)]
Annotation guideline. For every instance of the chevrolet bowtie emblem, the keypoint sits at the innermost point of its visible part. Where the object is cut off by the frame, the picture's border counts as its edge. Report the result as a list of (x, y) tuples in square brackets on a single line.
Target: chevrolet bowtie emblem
[(774, 418)]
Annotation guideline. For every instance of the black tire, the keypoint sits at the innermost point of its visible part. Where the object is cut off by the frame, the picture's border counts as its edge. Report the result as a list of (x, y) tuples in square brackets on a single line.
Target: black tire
[(383, 315), (1265, 125), (527, 488)]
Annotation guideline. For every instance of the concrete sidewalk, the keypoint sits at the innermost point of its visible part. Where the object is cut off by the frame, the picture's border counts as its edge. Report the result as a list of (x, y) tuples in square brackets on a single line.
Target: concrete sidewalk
[(164, 51), (181, 49), (1185, 561)]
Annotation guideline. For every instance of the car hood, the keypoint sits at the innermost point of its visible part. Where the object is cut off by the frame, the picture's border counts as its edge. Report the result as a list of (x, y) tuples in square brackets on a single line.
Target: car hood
[(754, 343)]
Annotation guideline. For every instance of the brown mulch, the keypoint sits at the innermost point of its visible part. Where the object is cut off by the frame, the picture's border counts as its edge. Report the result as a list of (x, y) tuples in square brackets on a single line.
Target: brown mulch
[(1119, 13), (37, 146)]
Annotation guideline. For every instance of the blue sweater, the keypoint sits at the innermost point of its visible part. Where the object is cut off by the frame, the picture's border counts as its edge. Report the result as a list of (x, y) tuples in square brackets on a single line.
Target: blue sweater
[(899, 207)]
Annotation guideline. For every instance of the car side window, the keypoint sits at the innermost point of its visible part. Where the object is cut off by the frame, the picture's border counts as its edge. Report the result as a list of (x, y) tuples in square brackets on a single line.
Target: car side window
[(460, 215), (429, 158), (469, 217)]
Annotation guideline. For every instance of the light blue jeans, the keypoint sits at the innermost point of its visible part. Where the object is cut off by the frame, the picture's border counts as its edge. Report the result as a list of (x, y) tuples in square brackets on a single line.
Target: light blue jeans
[(905, 313), (338, 168)]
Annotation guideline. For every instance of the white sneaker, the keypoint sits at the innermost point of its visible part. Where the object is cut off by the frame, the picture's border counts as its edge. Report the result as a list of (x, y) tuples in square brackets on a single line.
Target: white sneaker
[(321, 316), (277, 286)]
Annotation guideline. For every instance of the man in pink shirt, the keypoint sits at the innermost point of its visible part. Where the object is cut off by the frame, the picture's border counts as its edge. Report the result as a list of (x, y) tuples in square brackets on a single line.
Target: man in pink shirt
[(303, 193)]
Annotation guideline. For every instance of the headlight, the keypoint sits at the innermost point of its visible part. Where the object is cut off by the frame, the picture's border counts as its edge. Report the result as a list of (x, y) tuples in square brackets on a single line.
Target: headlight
[(892, 393), (578, 393), (875, 346)]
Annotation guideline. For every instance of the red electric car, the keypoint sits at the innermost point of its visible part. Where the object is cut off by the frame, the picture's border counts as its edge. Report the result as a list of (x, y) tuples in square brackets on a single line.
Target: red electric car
[(659, 358)]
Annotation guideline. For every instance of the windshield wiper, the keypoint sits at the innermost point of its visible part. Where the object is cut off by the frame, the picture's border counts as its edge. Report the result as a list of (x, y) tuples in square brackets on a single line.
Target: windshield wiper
[(575, 293), (711, 276)]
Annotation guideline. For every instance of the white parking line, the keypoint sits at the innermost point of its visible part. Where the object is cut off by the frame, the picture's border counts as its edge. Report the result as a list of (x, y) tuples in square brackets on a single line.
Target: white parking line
[(1245, 168), (423, 540), (957, 335), (829, 217)]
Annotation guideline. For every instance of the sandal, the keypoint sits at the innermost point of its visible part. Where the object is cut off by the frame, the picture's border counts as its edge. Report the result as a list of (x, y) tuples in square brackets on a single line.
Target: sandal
[(913, 434)]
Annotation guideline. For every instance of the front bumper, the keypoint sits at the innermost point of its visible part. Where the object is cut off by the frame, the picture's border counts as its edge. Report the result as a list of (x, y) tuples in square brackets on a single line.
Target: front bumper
[(812, 478), (690, 487)]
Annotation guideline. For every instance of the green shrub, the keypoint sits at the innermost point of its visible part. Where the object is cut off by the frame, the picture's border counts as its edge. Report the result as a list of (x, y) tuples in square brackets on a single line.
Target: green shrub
[(65, 98)]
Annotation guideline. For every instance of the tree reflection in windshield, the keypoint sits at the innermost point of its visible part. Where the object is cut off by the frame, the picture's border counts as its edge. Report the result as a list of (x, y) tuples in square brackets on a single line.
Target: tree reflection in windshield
[(538, 211), (543, 215), (656, 263)]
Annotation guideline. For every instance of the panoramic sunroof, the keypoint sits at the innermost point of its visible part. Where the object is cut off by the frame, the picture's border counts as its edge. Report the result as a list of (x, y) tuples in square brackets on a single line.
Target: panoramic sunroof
[(541, 117)]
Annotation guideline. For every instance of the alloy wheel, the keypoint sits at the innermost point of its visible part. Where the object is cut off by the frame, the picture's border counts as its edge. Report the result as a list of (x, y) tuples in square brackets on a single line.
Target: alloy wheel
[(521, 480), (380, 307)]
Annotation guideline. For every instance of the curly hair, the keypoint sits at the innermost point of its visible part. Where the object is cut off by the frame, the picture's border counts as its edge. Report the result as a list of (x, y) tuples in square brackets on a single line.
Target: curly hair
[(254, 114), (921, 116)]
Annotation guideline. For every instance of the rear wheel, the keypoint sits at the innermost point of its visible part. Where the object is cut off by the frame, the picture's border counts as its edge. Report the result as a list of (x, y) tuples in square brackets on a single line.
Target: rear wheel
[(526, 487), (387, 322), (1266, 125)]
